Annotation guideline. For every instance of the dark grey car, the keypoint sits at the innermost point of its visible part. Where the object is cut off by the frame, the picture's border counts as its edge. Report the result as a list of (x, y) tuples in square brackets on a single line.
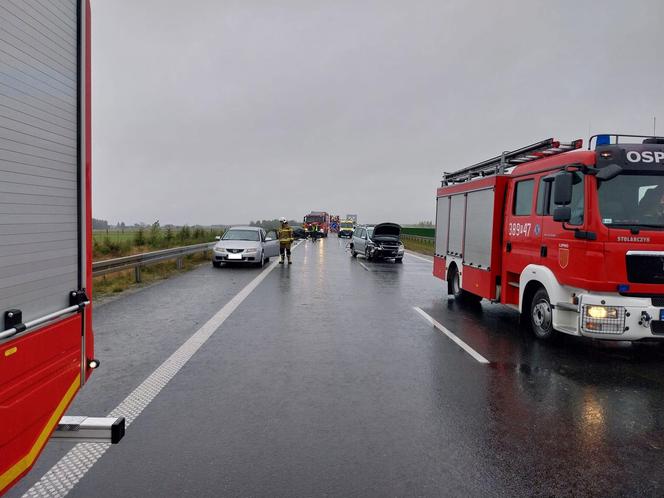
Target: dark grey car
[(378, 242)]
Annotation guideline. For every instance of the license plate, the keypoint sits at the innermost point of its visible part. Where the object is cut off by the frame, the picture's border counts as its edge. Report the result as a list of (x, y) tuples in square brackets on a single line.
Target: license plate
[(661, 314), (235, 256)]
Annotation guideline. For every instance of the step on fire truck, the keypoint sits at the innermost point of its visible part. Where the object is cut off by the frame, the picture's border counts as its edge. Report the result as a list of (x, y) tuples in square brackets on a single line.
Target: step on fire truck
[(46, 342), (572, 238)]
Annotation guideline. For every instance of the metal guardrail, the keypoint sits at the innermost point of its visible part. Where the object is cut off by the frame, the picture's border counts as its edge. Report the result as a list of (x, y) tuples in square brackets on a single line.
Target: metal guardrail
[(138, 260)]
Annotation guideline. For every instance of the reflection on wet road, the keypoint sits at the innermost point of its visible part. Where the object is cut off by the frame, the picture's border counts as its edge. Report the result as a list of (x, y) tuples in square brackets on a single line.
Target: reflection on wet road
[(326, 381)]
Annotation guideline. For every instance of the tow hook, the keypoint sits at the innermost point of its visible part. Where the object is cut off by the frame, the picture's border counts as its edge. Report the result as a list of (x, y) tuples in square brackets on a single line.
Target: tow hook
[(644, 321)]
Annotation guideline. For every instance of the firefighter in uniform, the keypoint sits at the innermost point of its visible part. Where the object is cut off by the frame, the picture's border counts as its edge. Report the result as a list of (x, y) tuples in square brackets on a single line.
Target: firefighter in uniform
[(285, 240)]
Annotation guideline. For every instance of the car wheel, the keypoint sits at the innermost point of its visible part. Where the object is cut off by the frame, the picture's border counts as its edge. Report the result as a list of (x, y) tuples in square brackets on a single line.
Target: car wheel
[(352, 251), (261, 262), (216, 264), (367, 254), (541, 316)]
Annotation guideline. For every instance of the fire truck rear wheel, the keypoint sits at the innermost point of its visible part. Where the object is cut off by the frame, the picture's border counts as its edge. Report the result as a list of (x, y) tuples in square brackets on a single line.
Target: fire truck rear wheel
[(454, 288), (541, 316)]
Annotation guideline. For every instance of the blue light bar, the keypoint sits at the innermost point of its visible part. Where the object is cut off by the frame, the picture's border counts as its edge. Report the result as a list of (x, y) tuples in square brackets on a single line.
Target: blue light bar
[(603, 140), (623, 288)]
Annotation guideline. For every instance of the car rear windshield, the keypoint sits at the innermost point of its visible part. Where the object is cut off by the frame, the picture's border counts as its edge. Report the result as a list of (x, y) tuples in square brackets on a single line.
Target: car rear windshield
[(241, 235)]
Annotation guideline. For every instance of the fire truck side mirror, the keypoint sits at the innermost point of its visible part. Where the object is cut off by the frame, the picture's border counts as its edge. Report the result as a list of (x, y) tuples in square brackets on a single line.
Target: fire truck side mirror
[(562, 214), (609, 172), (562, 188)]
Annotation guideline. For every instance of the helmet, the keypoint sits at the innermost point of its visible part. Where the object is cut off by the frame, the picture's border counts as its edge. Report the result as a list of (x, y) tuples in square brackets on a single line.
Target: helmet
[(282, 219)]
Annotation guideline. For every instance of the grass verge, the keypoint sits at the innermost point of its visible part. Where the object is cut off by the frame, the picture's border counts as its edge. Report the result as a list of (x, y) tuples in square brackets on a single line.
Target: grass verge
[(418, 246)]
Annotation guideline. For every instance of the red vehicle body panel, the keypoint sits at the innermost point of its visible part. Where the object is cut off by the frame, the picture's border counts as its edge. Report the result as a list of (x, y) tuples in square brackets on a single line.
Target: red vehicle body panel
[(40, 371), (480, 281)]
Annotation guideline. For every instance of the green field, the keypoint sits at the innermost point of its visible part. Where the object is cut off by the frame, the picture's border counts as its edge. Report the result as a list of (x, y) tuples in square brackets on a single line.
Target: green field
[(116, 243), (115, 235)]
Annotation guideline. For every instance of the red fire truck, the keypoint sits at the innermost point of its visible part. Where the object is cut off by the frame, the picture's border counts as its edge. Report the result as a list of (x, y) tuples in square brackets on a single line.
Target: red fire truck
[(572, 238), (46, 342), (319, 218)]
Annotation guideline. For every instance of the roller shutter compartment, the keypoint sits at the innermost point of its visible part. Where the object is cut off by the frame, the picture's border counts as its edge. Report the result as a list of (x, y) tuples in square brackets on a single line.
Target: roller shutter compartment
[(39, 197)]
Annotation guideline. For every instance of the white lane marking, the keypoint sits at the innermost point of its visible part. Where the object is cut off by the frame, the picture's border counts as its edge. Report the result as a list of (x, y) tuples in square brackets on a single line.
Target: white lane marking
[(71, 468), (364, 266), (427, 260), (449, 334)]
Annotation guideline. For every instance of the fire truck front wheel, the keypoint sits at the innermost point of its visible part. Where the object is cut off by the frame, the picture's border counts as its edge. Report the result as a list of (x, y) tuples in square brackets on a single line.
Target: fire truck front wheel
[(541, 316)]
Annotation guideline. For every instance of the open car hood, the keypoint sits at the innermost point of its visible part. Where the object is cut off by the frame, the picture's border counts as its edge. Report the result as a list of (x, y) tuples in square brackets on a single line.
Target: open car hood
[(386, 231)]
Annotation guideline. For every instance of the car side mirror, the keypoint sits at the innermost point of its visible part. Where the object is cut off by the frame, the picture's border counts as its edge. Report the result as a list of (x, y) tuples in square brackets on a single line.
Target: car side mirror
[(562, 188), (218, 237), (562, 214)]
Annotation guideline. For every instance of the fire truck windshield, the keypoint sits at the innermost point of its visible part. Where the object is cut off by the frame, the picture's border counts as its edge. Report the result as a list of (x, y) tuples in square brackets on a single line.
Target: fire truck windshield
[(632, 200), (314, 219)]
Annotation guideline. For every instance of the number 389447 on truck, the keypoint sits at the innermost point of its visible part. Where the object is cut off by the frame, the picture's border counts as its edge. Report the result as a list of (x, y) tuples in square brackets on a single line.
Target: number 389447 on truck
[(572, 238)]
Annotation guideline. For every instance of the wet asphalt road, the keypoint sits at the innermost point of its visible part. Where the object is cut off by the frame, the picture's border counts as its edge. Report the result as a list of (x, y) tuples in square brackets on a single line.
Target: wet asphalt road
[(325, 381)]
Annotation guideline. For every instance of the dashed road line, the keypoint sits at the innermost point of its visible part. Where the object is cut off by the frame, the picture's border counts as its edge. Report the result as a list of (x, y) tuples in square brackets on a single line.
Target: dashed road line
[(448, 333), (71, 468), (364, 266)]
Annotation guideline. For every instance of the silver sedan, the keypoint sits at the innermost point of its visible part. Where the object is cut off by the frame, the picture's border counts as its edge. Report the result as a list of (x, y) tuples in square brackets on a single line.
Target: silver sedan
[(251, 245)]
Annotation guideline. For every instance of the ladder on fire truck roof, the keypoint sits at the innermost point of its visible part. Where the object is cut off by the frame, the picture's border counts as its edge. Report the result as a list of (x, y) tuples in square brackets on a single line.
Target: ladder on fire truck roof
[(497, 165)]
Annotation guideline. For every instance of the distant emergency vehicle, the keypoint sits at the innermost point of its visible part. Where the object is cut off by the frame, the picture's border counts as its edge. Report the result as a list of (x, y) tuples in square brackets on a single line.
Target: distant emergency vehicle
[(573, 239), (319, 219), (346, 228)]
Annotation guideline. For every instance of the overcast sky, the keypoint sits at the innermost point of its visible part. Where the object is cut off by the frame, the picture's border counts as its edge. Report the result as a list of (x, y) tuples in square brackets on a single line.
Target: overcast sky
[(216, 111)]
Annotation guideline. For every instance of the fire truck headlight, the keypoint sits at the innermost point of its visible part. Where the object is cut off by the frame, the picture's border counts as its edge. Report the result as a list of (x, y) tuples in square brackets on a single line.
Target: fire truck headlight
[(602, 312), (603, 319)]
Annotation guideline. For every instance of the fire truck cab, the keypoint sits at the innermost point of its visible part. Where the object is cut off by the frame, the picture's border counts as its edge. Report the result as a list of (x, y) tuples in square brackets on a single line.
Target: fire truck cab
[(572, 238), (318, 219)]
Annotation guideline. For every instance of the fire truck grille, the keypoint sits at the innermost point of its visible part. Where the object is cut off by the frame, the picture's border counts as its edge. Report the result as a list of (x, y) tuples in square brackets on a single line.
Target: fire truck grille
[(645, 269)]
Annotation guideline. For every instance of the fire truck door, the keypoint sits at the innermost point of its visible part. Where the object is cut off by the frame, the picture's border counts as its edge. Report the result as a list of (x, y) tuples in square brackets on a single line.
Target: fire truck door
[(563, 250), (522, 233)]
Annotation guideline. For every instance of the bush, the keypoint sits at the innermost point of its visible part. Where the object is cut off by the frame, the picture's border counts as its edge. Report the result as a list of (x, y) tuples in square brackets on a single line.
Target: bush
[(139, 238)]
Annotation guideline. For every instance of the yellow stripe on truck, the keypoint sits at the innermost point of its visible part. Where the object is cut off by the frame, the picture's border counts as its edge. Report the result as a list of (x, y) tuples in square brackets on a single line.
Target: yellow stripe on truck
[(24, 463)]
